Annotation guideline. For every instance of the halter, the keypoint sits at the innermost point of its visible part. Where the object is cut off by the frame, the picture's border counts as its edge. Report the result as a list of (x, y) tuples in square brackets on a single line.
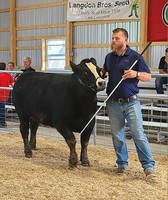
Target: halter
[(89, 86)]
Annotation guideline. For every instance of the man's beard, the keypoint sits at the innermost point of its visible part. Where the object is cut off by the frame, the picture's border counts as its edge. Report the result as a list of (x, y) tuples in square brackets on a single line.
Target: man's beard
[(117, 47)]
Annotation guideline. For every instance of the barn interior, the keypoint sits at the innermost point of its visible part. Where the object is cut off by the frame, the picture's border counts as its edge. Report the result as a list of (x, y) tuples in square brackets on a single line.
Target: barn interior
[(45, 31)]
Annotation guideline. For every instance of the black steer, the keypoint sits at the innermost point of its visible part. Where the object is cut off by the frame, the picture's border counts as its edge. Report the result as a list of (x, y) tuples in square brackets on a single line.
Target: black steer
[(66, 102)]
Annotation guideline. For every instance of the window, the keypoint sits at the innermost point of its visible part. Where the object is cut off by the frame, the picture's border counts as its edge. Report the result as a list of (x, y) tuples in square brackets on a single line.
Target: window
[(55, 54)]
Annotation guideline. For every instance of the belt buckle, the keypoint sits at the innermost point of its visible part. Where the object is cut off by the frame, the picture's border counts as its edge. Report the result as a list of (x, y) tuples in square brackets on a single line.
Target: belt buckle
[(120, 100), (133, 98)]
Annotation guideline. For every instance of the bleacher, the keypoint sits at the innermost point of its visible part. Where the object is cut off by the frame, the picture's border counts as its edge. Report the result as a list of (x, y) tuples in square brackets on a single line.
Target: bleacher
[(149, 87), (155, 119)]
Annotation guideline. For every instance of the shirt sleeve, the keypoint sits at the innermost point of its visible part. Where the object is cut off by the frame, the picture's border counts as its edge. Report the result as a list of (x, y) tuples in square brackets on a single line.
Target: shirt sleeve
[(161, 63), (142, 65), (11, 79)]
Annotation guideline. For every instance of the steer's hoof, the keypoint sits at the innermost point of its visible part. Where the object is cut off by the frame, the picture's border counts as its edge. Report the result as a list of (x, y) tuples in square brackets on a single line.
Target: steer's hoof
[(28, 155), (33, 146), (85, 164), (73, 162), (72, 165)]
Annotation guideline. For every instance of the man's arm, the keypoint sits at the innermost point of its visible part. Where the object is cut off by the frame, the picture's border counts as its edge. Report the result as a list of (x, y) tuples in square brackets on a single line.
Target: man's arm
[(162, 71), (142, 76)]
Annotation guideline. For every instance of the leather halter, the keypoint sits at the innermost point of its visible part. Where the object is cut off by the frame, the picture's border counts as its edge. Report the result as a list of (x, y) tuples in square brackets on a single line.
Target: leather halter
[(89, 86)]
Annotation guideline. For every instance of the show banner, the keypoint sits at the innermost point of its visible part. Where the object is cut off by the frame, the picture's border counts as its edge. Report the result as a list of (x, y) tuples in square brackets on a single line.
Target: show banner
[(83, 10), (157, 20)]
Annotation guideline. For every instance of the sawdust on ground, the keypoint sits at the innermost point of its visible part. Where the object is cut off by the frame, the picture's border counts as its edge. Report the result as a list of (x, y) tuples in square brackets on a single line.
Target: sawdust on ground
[(46, 176)]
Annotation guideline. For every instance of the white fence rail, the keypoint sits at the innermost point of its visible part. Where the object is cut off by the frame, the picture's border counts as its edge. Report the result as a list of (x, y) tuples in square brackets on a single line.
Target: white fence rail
[(155, 120)]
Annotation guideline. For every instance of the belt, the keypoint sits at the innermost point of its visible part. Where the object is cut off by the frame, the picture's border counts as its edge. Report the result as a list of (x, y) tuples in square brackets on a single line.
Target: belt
[(124, 100)]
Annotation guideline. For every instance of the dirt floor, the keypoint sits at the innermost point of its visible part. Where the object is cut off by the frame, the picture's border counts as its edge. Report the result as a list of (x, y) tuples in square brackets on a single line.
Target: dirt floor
[(46, 176)]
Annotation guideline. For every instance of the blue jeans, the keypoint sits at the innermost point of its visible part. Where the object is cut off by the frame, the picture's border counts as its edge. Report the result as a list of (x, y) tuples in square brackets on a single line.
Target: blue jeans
[(159, 82), (131, 112), (2, 114)]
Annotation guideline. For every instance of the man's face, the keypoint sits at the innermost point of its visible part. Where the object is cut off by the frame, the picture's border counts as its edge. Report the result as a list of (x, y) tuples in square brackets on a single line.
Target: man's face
[(119, 41), (166, 54), (26, 63), (10, 67)]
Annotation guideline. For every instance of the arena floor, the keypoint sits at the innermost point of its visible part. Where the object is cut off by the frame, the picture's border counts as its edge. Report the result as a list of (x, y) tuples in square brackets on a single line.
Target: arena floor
[(47, 176)]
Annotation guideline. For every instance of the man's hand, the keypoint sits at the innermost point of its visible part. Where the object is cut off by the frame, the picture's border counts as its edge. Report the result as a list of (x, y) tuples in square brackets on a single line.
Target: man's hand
[(144, 76), (129, 74), (103, 73)]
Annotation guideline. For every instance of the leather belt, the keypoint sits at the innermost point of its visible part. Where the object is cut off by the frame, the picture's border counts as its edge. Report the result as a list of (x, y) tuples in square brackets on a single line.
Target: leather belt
[(124, 100)]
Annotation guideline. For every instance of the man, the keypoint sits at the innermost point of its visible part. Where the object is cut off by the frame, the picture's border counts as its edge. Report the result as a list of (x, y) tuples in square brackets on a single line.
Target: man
[(27, 65), (10, 67), (124, 103), (5, 81), (134, 6), (163, 69)]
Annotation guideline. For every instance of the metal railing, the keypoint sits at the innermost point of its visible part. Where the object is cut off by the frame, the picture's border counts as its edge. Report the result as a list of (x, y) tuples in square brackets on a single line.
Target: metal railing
[(155, 123)]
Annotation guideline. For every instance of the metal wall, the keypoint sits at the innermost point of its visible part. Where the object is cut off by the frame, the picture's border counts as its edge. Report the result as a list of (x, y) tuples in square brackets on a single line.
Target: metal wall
[(4, 4), (20, 3), (30, 18), (154, 55), (4, 35), (100, 34), (85, 34), (37, 17)]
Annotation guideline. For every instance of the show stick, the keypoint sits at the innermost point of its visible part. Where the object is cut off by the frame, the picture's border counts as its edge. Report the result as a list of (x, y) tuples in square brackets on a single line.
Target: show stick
[(114, 89)]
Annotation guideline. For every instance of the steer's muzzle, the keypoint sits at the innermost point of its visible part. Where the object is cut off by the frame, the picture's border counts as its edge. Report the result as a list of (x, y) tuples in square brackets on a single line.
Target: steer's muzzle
[(101, 84)]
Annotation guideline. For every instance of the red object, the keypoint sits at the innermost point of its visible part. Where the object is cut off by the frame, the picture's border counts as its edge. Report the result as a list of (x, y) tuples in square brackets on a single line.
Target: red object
[(157, 20), (5, 80)]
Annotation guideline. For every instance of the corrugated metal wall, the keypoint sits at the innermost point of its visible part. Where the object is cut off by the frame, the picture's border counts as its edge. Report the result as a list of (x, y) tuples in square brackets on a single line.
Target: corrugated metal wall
[(4, 35), (4, 4), (37, 17), (20, 3), (154, 55), (100, 34), (85, 34)]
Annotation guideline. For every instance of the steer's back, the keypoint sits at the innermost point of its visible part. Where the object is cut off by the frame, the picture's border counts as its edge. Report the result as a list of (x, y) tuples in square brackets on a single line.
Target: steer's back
[(52, 98), (36, 93)]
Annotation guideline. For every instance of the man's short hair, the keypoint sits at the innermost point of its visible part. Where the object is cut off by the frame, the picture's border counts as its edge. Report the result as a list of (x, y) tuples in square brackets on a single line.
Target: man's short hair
[(124, 31), (27, 58), (12, 63), (2, 66), (166, 51)]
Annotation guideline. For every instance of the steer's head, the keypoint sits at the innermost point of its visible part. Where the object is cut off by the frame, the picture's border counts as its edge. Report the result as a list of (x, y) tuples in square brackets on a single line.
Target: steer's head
[(88, 74)]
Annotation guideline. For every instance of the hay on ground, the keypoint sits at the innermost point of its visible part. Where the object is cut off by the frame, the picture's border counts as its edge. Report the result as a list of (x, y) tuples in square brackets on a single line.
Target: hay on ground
[(46, 176)]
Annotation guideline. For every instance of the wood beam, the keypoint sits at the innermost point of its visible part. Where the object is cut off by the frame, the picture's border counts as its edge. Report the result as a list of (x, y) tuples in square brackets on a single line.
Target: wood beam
[(143, 27), (53, 4), (12, 31), (43, 54), (68, 52)]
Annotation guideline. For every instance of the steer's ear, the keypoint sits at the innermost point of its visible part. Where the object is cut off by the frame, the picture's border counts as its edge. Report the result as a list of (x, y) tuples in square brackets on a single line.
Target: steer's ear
[(93, 61), (73, 66)]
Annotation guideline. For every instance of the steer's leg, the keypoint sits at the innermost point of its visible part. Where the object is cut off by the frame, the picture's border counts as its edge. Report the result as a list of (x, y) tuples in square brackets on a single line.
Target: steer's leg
[(85, 136), (24, 129), (33, 129), (73, 158), (71, 141)]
